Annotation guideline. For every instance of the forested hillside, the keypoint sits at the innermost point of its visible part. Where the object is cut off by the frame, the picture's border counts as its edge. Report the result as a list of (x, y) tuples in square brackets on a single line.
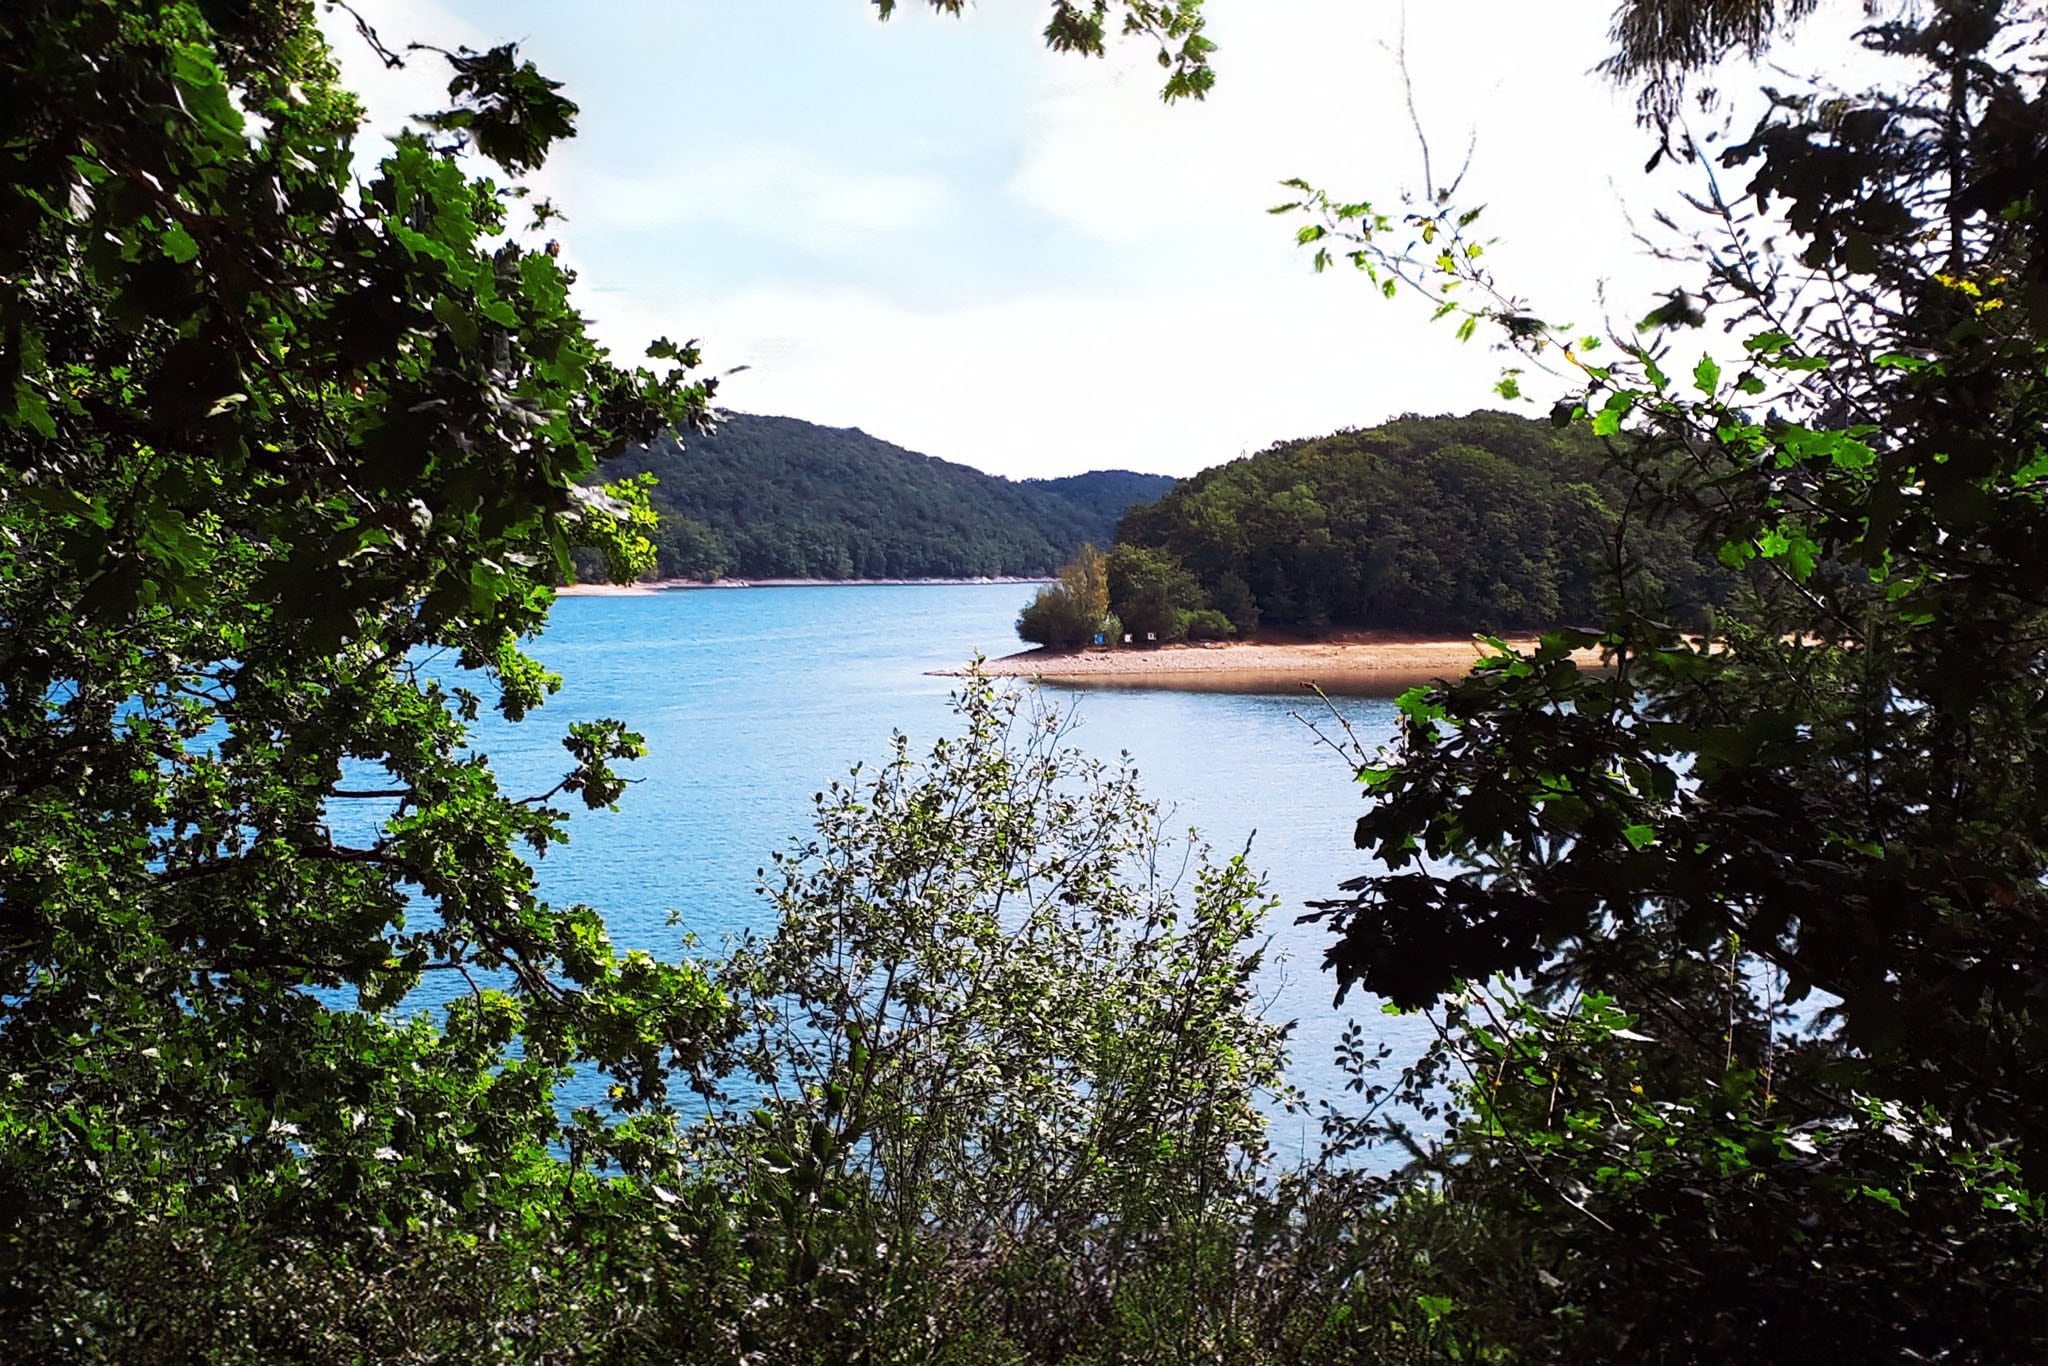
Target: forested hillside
[(775, 497), (1483, 522)]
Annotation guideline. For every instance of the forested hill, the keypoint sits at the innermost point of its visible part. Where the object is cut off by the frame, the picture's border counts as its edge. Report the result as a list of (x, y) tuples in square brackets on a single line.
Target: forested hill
[(1485, 522), (775, 497)]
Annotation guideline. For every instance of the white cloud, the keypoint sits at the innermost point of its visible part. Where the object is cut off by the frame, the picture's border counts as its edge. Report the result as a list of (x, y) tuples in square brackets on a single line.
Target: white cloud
[(1298, 89), (1054, 384), (1214, 339), (1078, 276), (770, 188)]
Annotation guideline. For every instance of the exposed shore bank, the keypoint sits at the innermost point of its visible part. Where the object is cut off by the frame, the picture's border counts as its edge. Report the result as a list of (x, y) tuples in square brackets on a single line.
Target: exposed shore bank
[(1360, 665), (647, 586)]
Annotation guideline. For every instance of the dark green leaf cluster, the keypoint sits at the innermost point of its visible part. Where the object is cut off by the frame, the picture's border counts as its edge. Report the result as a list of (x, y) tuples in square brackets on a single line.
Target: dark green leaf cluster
[(775, 497), (996, 1092)]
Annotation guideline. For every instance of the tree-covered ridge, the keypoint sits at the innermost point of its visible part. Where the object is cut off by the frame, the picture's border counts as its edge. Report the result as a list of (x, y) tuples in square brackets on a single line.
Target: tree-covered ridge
[(776, 497), (1484, 522), (1106, 493)]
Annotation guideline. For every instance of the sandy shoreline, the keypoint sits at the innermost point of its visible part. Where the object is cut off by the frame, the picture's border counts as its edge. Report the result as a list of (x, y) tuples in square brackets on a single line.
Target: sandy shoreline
[(648, 586), (1356, 667), (1356, 664)]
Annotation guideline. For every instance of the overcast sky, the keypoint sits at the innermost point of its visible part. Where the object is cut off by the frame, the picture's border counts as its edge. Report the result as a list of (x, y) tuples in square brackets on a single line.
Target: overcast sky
[(937, 231)]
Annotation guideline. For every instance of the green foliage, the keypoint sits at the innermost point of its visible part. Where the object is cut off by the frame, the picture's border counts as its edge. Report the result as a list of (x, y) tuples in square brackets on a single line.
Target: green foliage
[(288, 463), (1771, 1086), (1152, 594), (1056, 619), (269, 436), (1234, 598), (1480, 523), (1105, 494), (1071, 612), (773, 497), (685, 548), (998, 1049)]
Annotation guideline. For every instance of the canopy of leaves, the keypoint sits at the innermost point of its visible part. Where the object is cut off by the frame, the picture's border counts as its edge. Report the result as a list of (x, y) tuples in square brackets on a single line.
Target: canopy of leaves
[(1152, 594), (992, 1027), (287, 464)]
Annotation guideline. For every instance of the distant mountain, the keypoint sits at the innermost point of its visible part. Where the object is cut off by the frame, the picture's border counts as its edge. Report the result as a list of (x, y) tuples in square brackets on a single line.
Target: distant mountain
[(775, 497), (1106, 493)]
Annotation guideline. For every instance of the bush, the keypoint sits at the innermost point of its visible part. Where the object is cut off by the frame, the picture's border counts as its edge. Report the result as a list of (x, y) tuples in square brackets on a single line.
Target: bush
[(995, 1044), (1070, 613), (1058, 620), (1207, 624), (1233, 597)]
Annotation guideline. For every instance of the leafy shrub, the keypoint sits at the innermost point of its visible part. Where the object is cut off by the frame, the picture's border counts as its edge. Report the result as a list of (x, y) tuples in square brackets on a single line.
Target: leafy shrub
[(989, 1033), (1070, 613), (1233, 597), (1058, 620), (1207, 624)]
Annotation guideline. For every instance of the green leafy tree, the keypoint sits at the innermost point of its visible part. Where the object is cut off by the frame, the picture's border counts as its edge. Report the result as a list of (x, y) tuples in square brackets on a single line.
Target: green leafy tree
[(1005, 1057), (686, 549), (1449, 524), (1234, 598), (1152, 594), (1071, 612), (269, 437), (1771, 1085)]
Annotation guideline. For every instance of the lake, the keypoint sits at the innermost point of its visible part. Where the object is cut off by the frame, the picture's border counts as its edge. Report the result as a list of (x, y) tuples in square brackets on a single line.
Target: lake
[(753, 699)]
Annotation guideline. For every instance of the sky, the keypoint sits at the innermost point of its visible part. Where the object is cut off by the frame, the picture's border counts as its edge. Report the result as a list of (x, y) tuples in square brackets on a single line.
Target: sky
[(938, 231)]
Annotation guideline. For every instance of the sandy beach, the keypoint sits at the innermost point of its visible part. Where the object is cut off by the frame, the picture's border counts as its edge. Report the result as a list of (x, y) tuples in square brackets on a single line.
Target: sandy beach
[(1360, 665)]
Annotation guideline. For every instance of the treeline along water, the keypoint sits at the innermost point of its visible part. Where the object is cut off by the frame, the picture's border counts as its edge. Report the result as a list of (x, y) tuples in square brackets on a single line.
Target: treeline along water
[(753, 700)]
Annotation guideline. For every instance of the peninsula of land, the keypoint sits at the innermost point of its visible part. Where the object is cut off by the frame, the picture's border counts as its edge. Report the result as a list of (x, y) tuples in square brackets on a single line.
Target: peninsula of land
[(1356, 664)]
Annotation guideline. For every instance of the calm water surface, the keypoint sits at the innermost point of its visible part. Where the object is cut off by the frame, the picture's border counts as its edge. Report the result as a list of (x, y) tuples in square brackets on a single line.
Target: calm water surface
[(753, 699)]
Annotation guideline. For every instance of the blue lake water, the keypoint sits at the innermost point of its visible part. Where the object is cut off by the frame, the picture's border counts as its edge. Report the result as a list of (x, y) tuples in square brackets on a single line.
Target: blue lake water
[(752, 700)]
